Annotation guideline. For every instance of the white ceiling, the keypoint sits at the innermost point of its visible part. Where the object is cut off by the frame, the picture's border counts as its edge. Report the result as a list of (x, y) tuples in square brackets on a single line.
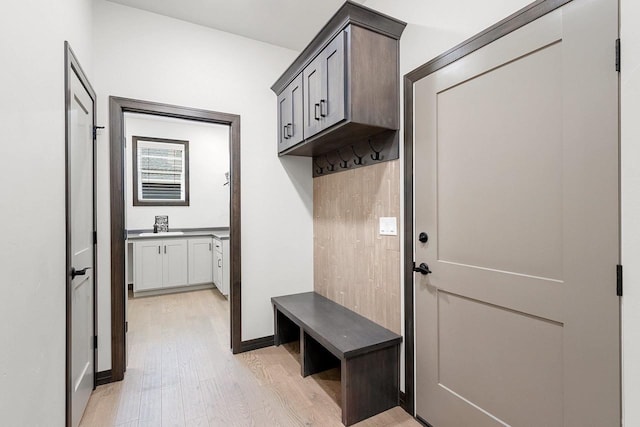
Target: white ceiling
[(286, 23)]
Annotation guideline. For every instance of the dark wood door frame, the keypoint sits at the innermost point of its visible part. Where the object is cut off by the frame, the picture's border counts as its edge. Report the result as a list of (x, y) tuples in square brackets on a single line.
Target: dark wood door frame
[(517, 20), (71, 67), (117, 108)]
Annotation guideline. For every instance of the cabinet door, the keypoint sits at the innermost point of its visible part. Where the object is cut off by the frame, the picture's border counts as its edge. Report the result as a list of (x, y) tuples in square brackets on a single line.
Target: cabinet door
[(284, 118), (332, 102), (174, 263), (312, 85), (226, 267), (200, 260), (290, 115), (148, 265), (218, 271), (295, 128)]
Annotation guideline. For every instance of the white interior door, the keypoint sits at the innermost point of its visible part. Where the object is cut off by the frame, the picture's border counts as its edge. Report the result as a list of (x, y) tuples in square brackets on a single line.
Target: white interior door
[(516, 185), (81, 217)]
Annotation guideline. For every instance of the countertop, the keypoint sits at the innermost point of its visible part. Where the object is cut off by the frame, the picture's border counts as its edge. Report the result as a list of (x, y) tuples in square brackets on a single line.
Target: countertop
[(218, 233)]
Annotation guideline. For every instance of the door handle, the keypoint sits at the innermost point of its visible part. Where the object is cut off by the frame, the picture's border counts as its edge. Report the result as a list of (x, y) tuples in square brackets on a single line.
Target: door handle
[(323, 102), (315, 112), (75, 272), (288, 128), (423, 269), (284, 132)]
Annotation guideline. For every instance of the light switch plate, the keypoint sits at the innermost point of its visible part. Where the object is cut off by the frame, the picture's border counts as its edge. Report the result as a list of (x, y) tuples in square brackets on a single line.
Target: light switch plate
[(388, 226)]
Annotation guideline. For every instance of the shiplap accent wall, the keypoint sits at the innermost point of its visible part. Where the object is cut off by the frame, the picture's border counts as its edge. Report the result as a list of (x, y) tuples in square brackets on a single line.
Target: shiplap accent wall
[(354, 265)]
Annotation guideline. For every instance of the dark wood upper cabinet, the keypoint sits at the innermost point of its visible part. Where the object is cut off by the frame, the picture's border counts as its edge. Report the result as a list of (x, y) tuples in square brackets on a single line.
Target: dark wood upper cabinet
[(290, 115), (349, 75)]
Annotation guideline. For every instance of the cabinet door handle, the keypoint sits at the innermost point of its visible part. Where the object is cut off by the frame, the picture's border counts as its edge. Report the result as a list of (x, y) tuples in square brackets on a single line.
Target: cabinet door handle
[(323, 102), (219, 262), (158, 249), (209, 247), (284, 132), (165, 249), (289, 127), (315, 112)]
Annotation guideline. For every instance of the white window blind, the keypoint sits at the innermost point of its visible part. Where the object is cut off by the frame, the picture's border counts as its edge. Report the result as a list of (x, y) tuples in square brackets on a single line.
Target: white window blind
[(160, 171)]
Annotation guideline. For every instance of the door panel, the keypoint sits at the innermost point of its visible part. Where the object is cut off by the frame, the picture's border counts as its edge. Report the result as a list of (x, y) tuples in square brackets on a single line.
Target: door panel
[(80, 166), (516, 185)]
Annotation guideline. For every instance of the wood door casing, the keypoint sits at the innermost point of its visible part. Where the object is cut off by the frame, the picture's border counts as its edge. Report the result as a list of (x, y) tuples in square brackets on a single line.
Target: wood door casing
[(518, 191)]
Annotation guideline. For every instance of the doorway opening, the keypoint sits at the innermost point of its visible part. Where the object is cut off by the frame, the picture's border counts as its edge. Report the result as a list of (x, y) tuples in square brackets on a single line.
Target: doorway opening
[(119, 110)]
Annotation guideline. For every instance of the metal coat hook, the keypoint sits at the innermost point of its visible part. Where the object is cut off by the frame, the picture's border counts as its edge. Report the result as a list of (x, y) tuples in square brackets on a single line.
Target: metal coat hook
[(330, 166), (320, 169), (359, 158), (377, 153), (344, 163)]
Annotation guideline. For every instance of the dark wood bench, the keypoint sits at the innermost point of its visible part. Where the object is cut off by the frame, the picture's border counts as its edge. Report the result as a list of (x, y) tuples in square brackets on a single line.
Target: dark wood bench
[(331, 335)]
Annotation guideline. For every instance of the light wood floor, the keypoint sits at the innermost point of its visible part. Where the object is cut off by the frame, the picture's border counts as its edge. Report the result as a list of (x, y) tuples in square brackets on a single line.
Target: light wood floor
[(181, 373)]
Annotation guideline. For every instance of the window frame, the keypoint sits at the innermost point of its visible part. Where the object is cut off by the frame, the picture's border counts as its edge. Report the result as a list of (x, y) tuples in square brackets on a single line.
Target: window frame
[(137, 200)]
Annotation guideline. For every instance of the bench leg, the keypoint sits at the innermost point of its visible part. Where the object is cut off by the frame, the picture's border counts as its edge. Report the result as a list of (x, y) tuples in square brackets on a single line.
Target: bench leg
[(284, 329), (370, 384), (314, 357)]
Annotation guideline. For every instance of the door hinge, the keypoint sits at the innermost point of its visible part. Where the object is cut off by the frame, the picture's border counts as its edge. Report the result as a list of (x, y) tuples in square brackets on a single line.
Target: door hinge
[(95, 131), (95, 342), (619, 280), (618, 57)]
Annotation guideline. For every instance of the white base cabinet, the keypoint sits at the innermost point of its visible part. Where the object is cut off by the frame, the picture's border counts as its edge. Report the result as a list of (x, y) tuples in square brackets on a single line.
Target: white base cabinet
[(173, 263), (221, 266), (160, 264), (201, 260)]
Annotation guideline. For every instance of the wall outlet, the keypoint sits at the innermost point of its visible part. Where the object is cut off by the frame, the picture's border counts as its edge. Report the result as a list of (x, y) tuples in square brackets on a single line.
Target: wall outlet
[(388, 226)]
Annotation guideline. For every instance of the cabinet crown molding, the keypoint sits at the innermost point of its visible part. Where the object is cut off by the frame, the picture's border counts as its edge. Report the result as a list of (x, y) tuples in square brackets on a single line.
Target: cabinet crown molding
[(349, 13)]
